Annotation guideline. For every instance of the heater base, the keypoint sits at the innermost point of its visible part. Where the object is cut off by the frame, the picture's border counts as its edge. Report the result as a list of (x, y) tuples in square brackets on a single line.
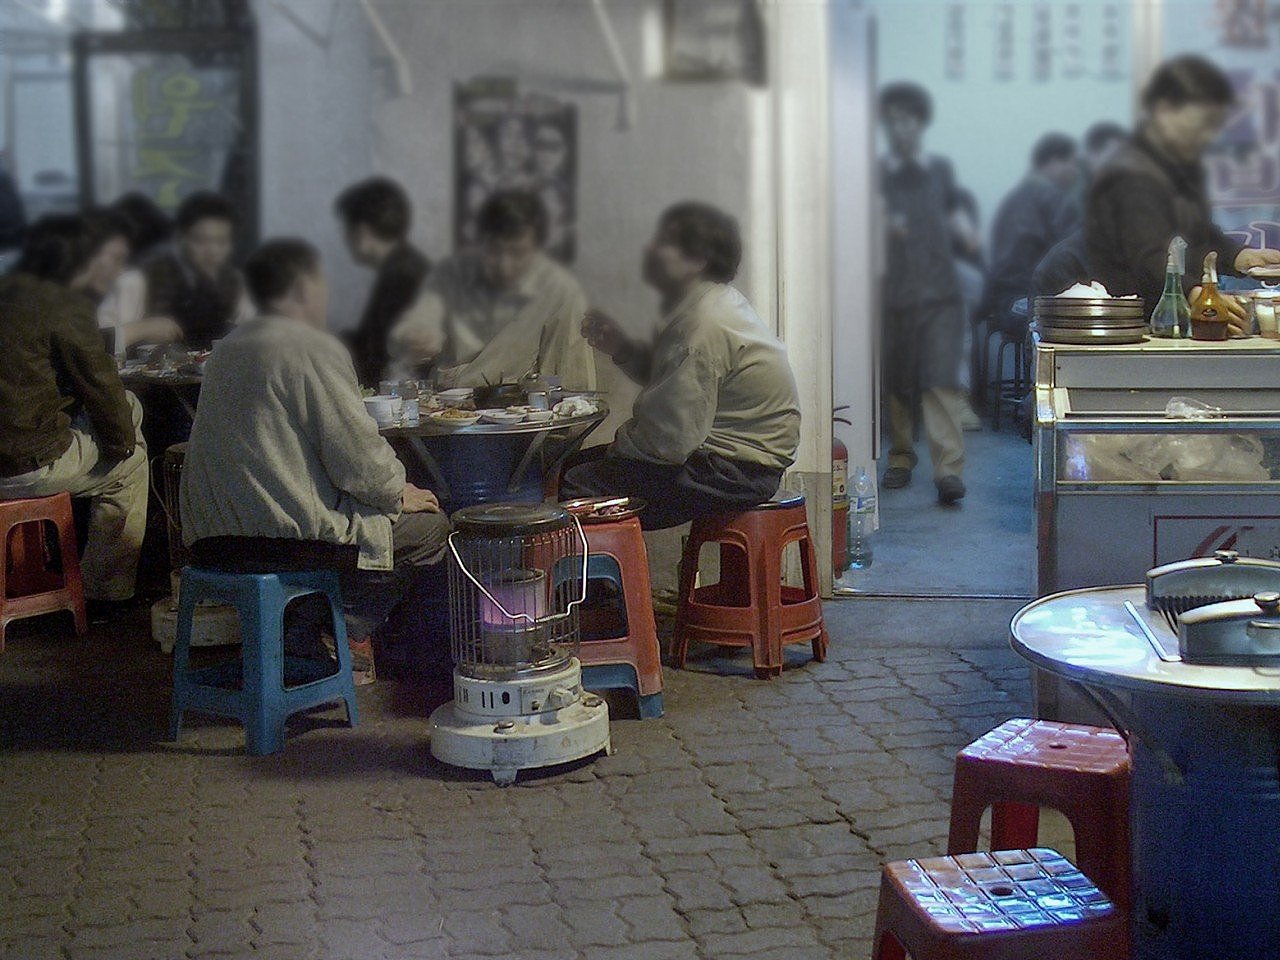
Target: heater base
[(506, 745)]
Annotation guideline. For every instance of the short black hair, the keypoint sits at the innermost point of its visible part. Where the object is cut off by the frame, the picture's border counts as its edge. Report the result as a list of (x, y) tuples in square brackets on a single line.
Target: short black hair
[(703, 232), (204, 205), (151, 226), (508, 214), (273, 269), (1188, 79), (1101, 134), (103, 223), (378, 203), (57, 247), (1051, 147), (911, 97)]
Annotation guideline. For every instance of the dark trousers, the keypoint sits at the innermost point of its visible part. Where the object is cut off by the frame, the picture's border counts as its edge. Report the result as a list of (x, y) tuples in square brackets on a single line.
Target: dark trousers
[(407, 603), (705, 485)]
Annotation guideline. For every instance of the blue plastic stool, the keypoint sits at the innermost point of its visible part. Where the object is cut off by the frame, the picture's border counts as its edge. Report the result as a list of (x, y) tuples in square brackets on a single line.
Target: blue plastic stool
[(252, 688), (622, 676)]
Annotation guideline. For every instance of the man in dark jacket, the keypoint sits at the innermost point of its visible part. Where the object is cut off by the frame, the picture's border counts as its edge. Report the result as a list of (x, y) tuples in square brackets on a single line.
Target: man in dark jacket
[(376, 215), (194, 283), (1153, 188), (1024, 226), (66, 422)]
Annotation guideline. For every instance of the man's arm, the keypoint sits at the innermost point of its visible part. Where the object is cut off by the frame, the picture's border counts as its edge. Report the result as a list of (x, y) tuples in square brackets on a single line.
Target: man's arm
[(418, 337), (92, 376), (672, 417), (355, 457)]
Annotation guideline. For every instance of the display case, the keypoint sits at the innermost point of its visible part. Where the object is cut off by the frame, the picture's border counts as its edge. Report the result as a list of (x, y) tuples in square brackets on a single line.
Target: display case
[(1121, 485)]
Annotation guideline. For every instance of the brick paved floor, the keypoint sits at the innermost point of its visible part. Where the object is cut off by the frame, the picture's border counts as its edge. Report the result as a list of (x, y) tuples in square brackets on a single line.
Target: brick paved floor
[(749, 822)]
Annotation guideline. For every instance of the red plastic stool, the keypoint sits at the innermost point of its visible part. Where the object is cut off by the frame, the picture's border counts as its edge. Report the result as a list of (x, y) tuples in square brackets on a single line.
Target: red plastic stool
[(750, 606), (1023, 765), (633, 659), (27, 587), (1009, 905)]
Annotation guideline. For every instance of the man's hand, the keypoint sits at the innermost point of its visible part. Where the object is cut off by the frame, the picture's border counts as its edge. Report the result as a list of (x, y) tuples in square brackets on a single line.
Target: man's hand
[(1237, 315), (1253, 257), (417, 500), (415, 343), (154, 330), (603, 333)]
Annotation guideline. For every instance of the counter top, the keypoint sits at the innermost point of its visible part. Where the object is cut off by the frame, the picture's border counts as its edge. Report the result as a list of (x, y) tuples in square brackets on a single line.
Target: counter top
[(1250, 346)]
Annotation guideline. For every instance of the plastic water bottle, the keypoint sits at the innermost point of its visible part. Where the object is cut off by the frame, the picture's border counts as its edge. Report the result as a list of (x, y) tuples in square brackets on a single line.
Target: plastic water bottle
[(862, 521)]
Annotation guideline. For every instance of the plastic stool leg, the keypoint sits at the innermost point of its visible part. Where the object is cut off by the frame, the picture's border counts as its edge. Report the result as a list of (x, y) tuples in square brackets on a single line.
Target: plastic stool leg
[(72, 578), (263, 670), (966, 820), (651, 706), (1014, 826), (885, 946)]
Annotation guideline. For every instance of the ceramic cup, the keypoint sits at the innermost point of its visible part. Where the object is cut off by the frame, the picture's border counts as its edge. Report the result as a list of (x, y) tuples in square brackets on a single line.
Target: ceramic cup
[(410, 414), (380, 409)]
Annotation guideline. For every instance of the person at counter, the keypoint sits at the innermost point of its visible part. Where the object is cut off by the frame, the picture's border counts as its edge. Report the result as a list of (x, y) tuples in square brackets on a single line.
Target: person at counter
[(285, 469), (717, 420), (502, 309), (66, 422), (1153, 188), (1024, 226), (376, 215), (194, 283)]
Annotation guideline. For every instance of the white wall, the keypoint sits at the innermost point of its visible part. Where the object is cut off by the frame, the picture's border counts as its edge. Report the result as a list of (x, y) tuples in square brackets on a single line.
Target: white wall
[(315, 106), (988, 126)]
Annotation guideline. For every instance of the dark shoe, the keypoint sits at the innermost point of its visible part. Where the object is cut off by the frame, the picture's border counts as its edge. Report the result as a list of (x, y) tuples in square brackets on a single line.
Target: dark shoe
[(112, 611), (950, 490), (895, 478)]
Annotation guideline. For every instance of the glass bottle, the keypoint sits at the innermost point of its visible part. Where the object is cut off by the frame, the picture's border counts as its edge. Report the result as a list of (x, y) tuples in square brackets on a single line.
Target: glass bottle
[(1172, 315), (1208, 312)]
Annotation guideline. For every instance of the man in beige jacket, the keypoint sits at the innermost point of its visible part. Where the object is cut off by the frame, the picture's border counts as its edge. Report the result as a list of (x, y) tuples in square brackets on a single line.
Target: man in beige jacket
[(501, 310), (285, 469), (717, 420)]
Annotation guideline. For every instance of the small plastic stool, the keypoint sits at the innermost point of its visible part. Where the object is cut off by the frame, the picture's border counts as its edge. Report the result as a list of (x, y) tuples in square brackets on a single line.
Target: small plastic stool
[(630, 658), (252, 689), (1008, 905), (27, 587), (1023, 765), (750, 606)]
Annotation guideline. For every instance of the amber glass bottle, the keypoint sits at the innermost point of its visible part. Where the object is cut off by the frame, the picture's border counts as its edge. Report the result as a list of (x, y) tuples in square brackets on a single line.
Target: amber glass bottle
[(1208, 312)]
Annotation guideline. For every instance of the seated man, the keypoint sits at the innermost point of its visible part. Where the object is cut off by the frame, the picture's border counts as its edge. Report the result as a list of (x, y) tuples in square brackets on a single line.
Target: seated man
[(194, 283), (66, 422), (376, 215), (501, 310), (717, 420), (284, 462)]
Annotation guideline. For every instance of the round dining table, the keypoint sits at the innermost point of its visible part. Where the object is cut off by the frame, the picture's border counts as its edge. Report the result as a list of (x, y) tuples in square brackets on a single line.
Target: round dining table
[(1205, 787), (490, 462)]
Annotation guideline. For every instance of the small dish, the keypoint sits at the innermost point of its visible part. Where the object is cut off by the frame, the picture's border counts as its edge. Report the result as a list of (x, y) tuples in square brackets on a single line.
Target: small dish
[(453, 417), (537, 416), (1268, 271), (451, 398), (500, 416)]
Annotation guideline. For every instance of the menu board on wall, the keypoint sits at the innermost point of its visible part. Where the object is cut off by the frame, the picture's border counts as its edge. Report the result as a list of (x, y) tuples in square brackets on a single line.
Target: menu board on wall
[(504, 140)]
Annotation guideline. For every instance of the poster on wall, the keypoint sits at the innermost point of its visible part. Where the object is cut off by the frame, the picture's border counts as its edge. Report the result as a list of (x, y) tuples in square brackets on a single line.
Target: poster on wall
[(507, 140), (1244, 163)]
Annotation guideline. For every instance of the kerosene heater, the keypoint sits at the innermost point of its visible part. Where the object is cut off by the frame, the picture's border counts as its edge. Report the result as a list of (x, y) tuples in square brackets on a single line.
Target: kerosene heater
[(517, 576)]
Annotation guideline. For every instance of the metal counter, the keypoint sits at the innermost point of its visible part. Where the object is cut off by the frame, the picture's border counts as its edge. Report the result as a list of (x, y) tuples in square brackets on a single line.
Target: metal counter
[(1120, 487)]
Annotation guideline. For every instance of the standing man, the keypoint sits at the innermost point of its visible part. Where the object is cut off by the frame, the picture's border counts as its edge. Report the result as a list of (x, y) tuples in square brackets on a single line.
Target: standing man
[(376, 216), (66, 422), (502, 309), (717, 421), (923, 322)]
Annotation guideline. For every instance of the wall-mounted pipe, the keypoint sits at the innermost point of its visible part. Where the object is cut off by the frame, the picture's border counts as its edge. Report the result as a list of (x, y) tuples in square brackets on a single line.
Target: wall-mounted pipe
[(404, 75), (626, 96)]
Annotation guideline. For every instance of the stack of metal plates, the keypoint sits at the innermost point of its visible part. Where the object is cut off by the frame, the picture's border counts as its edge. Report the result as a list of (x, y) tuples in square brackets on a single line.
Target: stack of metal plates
[(1087, 320)]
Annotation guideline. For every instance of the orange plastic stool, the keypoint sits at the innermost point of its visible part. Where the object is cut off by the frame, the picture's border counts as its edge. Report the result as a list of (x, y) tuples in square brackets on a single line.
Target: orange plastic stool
[(27, 587), (750, 606), (1009, 905), (632, 660), (1023, 765)]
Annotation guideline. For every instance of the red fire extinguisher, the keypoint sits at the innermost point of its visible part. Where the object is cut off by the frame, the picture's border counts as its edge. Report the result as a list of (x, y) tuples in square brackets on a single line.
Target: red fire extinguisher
[(839, 499)]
